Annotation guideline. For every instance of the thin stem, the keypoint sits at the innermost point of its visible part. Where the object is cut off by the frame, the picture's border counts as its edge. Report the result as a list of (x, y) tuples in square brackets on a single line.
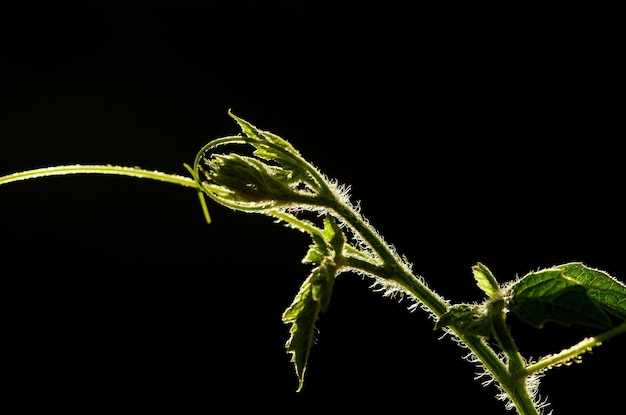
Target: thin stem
[(300, 224), (99, 169), (573, 352)]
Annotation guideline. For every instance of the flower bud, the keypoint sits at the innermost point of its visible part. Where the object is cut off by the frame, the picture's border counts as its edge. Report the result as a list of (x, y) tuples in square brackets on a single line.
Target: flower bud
[(243, 179)]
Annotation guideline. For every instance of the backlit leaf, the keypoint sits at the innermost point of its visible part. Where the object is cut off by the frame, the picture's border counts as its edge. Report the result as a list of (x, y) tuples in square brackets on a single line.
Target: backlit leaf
[(314, 295), (302, 315), (485, 280), (568, 294)]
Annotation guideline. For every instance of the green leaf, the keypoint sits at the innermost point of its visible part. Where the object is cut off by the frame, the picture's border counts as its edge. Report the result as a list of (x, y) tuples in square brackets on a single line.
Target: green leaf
[(276, 149), (302, 315), (315, 254), (322, 282), (324, 276), (330, 244), (601, 287), (486, 281), (568, 294), (467, 318), (313, 297), (260, 136), (314, 294)]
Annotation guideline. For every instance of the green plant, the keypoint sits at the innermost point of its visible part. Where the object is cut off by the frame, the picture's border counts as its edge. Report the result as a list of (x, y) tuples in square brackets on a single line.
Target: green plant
[(274, 180)]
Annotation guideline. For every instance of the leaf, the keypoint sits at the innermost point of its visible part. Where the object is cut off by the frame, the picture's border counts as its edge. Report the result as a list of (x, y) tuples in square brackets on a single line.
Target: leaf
[(260, 136), (315, 254), (568, 294), (324, 277), (485, 280), (329, 244), (273, 148), (601, 287), (314, 294), (302, 315), (313, 297), (322, 282)]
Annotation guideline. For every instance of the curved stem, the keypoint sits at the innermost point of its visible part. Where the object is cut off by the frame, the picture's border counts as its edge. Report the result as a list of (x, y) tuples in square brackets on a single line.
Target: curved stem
[(99, 169), (396, 267)]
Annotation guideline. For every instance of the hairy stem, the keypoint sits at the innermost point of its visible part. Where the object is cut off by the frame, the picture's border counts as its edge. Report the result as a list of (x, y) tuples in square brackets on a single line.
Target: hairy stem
[(515, 386), (397, 270), (573, 352), (391, 266)]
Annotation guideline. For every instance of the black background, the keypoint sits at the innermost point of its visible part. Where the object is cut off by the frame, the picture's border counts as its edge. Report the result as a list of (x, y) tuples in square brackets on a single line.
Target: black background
[(468, 132)]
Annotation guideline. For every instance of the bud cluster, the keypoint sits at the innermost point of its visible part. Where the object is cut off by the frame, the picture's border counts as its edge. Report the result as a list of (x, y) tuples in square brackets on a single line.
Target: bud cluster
[(248, 180), (274, 177)]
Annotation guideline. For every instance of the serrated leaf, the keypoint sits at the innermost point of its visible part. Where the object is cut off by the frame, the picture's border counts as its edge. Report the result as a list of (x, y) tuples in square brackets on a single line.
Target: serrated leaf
[(248, 129), (601, 287), (323, 277), (568, 294), (329, 245), (274, 148), (302, 315), (314, 296), (485, 280), (257, 134), (314, 255), (467, 318)]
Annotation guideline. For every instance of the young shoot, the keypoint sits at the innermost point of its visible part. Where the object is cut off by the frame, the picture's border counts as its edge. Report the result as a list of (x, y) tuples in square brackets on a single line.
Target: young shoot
[(259, 172)]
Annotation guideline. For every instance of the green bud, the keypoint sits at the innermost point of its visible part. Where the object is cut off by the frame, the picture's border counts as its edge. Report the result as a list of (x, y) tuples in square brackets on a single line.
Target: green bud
[(272, 176), (248, 180)]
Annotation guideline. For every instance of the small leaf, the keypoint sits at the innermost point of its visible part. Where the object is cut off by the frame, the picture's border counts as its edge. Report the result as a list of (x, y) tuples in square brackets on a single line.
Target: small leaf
[(323, 277), (247, 128), (486, 281), (276, 149), (258, 135), (315, 254), (335, 237), (322, 282), (568, 294), (314, 296), (467, 318), (329, 245), (302, 315)]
